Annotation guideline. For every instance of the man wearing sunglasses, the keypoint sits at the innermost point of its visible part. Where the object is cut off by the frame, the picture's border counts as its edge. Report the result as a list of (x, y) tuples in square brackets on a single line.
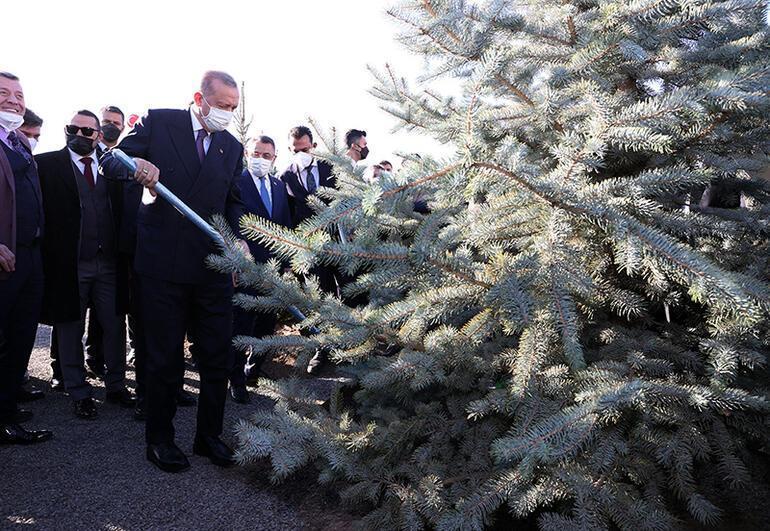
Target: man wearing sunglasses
[(79, 260), (195, 157)]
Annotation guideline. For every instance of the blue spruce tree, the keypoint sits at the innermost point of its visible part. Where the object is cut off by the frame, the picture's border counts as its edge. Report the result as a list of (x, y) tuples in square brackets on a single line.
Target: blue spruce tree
[(577, 331)]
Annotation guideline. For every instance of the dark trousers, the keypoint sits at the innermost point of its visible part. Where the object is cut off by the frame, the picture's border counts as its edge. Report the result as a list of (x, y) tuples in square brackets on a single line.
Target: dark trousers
[(167, 309), (97, 285), (95, 334), (136, 325), (253, 324), (21, 300)]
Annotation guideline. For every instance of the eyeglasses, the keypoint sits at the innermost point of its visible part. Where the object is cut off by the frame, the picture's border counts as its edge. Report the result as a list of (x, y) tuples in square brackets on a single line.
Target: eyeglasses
[(73, 130)]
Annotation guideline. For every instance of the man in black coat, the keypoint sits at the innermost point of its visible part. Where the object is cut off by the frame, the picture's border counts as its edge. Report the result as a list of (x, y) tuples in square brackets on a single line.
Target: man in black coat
[(200, 162), (79, 260)]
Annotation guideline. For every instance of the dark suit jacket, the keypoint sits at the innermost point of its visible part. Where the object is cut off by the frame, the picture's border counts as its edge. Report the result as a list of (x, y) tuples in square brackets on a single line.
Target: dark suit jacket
[(169, 247), (254, 205), (8, 202), (61, 242), (300, 210)]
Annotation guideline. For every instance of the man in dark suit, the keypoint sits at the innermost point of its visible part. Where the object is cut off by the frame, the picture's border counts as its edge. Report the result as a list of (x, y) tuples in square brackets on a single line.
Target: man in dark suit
[(201, 163), (113, 124), (79, 259), (21, 267), (303, 177), (266, 197)]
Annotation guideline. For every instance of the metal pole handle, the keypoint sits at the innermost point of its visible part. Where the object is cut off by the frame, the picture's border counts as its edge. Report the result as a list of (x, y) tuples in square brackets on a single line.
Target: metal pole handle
[(169, 196)]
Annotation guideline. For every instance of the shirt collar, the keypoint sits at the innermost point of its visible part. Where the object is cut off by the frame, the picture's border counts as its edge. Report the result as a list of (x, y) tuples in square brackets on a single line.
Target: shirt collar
[(76, 158), (4, 137), (196, 124)]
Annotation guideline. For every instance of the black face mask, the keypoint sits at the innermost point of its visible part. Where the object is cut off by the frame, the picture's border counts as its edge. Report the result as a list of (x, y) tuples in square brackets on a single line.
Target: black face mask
[(111, 132), (80, 144), (364, 152)]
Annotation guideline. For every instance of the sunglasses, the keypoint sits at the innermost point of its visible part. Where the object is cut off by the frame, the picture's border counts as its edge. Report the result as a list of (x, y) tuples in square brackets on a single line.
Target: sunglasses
[(73, 130)]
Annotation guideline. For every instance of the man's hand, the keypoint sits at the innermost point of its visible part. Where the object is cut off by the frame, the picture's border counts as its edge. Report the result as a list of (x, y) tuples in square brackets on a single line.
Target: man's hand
[(7, 259), (147, 174)]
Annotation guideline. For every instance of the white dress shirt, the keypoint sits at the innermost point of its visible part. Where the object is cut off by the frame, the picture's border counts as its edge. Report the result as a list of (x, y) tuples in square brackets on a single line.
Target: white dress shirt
[(82, 167), (197, 126)]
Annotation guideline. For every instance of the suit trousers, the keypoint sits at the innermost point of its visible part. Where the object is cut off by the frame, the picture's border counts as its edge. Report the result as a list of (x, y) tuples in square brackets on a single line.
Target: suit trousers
[(21, 301), (255, 324), (98, 290), (168, 309)]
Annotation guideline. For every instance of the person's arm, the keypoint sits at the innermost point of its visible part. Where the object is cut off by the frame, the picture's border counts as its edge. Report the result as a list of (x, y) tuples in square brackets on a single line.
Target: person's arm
[(137, 145)]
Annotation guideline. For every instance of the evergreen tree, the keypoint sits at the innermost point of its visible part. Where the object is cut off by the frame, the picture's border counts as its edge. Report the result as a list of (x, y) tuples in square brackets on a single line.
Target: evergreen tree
[(570, 334)]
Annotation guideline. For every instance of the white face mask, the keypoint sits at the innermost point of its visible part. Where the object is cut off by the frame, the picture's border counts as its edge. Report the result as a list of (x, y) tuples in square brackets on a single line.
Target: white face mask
[(217, 119), (259, 167), (10, 121), (32, 143), (303, 160)]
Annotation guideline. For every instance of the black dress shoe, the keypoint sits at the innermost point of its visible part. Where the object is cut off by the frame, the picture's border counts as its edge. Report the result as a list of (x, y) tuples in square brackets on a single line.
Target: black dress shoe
[(15, 434), (123, 398), (57, 384), (140, 412), (213, 448), (85, 409), (168, 457), (239, 394), (26, 395), (22, 416), (185, 399)]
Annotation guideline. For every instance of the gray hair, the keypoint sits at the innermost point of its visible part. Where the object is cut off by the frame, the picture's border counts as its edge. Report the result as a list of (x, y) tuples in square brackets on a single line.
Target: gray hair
[(8, 75), (211, 75)]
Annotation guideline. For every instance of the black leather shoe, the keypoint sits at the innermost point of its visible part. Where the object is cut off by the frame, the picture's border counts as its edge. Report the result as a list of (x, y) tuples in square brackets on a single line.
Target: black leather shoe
[(57, 384), (123, 398), (140, 412), (26, 395), (22, 416), (85, 409), (239, 394), (168, 457), (185, 399), (15, 434), (213, 448)]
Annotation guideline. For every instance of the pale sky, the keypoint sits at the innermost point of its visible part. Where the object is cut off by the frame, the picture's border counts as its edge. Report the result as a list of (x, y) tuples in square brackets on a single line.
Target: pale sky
[(298, 59)]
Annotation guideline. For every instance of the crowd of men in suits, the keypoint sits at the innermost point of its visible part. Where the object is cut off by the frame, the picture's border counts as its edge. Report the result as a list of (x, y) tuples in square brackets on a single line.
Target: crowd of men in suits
[(80, 235)]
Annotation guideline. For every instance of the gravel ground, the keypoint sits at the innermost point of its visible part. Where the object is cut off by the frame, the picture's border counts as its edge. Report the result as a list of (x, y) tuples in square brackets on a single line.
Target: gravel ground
[(94, 475)]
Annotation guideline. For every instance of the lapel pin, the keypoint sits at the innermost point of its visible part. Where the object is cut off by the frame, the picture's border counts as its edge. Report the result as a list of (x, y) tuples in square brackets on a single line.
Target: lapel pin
[(221, 151)]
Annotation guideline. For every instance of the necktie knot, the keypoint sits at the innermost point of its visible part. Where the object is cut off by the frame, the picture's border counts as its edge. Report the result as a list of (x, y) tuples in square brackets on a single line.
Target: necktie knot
[(88, 173), (17, 146)]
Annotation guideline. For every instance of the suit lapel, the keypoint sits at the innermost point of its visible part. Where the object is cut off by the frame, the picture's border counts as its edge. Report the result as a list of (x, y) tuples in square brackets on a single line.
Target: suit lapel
[(278, 202), (217, 151), (184, 143), (5, 168), (68, 171)]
